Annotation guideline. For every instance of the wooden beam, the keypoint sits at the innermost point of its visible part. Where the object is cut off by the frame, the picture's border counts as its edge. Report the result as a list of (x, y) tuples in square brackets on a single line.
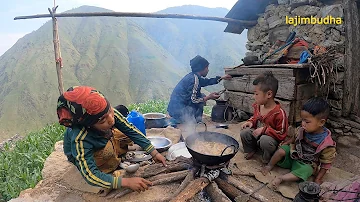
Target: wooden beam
[(286, 88), (244, 101), (287, 66), (256, 71), (351, 91), (146, 15), (56, 41)]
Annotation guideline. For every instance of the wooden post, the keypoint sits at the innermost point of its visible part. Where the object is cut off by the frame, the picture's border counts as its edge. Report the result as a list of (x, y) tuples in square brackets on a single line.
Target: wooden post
[(351, 96), (56, 40)]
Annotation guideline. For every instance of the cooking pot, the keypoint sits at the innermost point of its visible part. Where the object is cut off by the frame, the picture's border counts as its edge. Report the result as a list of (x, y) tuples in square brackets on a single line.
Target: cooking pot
[(155, 120), (206, 136)]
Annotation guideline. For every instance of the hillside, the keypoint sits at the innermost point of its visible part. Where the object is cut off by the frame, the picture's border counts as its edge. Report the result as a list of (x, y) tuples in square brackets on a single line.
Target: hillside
[(113, 54), (124, 58), (186, 38)]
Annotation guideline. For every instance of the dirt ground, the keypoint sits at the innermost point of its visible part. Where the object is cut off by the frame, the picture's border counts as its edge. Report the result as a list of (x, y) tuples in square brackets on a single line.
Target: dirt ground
[(348, 157), (54, 186)]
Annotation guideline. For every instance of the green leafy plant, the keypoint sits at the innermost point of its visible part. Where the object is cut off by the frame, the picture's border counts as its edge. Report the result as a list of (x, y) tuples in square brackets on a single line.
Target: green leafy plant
[(158, 106), (21, 164)]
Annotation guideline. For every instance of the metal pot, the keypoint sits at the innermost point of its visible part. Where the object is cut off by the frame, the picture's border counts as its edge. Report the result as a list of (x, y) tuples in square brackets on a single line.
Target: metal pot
[(211, 160), (155, 120)]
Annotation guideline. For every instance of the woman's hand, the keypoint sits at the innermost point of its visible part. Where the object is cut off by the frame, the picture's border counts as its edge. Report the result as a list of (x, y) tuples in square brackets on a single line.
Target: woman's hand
[(136, 183), (247, 124), (158, 157)]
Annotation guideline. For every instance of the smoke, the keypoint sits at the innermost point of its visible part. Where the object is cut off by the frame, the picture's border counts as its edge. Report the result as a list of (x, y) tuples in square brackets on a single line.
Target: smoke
[(190, 125)]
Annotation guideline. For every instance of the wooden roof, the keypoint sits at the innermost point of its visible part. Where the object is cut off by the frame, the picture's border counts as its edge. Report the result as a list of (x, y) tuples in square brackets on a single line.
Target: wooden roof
[(245, 10)]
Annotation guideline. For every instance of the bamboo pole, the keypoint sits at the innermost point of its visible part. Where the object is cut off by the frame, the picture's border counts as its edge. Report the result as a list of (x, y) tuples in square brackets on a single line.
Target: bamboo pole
[(147, 15), (57, 51)]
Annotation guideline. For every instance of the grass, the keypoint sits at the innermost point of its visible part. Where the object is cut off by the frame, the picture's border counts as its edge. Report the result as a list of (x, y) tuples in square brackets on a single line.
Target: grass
[(159, 106), (21, 164)]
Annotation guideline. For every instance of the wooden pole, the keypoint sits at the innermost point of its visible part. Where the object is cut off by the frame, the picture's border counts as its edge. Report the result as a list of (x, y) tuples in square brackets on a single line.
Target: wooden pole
[(147, 15), (56, 40)]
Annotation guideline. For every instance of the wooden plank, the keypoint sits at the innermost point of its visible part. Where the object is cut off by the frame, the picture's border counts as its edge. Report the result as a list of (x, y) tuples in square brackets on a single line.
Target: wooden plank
[(352, 59), (286, 88), (240, 71), (283, 66), (244, 101)]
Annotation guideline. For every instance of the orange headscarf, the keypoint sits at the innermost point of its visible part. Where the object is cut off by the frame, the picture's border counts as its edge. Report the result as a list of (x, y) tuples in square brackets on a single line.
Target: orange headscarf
[(81, 105)]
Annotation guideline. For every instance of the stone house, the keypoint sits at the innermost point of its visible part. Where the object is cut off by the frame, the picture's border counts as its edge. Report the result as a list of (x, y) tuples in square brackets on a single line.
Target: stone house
[(341, 87)]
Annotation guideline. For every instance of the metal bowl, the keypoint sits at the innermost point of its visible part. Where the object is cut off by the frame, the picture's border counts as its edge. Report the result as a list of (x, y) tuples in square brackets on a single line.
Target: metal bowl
[(161, 144)]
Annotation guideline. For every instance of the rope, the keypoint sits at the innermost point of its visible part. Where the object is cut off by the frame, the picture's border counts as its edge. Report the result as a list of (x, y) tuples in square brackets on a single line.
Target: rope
[(59, 60)]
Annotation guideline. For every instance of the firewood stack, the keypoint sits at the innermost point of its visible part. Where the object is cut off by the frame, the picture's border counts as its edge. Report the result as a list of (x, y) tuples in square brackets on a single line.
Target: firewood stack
[(218, 185)]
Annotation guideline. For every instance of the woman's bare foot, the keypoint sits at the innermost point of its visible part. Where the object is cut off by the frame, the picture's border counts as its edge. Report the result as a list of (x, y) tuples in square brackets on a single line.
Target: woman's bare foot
[(248, 156), (266, 169), (276, 182)]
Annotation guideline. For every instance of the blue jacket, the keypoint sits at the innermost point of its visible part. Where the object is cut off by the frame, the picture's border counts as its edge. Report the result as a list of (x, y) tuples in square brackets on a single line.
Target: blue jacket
[(187, 93)]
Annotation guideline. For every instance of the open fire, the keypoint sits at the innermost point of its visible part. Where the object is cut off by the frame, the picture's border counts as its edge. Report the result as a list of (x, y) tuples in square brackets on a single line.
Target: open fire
[(215, 180)]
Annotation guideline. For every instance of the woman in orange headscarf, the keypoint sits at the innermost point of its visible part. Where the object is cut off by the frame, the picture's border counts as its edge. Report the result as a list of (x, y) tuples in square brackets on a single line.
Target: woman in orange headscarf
[(90, 142)]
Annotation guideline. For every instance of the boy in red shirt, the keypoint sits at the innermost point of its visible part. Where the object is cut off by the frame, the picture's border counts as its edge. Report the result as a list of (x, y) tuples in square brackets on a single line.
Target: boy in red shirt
[(268, 126)]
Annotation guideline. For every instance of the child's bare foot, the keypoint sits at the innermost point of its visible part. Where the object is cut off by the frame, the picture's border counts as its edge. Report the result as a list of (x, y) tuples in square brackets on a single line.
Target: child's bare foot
[(248, 156), (266, 169), (276, 182)]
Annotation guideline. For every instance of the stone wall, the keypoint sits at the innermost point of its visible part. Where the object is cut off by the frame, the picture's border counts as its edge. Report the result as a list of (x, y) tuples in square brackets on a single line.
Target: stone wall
[(272, 27)]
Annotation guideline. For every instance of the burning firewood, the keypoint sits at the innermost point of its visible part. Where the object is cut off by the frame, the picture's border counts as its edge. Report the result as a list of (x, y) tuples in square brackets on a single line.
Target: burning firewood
[(229, 190), (216, 194), (191, 190)]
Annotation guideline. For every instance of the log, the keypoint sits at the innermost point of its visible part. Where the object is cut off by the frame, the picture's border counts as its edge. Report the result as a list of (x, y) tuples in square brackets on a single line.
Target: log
[(286, 90), (229, 190), (189, 177), (216, 194), (172, 174), (241, 186), (166, 178), (191, 190), (146, 15), (181, 163)]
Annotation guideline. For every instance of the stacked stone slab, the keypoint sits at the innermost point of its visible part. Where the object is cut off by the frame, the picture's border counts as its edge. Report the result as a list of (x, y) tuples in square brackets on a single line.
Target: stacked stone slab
[(272, 26)]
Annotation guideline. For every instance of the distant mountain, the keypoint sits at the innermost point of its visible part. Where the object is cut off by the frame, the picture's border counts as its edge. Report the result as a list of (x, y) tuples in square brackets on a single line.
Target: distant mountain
[(184, 39), (128, 59)]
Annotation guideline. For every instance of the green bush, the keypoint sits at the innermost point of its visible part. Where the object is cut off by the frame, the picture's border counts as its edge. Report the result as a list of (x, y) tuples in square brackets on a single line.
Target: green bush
[(158, 106), (22, 163)]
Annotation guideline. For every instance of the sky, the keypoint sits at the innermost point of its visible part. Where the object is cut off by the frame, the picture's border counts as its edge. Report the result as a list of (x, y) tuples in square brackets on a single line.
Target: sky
[(12, 30)]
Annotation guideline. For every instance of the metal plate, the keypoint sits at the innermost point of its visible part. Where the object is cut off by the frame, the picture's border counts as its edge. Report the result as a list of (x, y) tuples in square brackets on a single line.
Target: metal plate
[(177, 150), (145, 158)]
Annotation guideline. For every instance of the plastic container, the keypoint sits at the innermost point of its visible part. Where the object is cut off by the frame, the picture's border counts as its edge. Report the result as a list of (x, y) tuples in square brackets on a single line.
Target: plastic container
[(138, 120)]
